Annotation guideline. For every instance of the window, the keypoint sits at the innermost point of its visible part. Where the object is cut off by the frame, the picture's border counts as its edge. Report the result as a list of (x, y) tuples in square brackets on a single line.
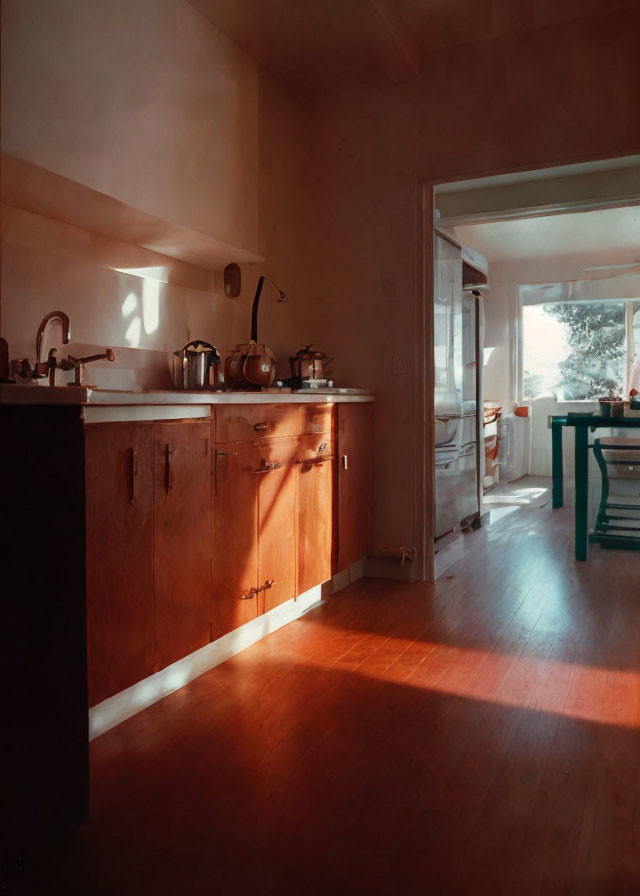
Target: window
[(579, 350)]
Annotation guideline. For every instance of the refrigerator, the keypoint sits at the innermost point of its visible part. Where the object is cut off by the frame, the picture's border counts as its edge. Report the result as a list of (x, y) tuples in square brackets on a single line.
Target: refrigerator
[(457, 331)]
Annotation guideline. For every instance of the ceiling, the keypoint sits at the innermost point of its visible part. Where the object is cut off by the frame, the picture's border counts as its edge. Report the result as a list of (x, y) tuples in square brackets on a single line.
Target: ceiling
[(327, 42), (603, 236)]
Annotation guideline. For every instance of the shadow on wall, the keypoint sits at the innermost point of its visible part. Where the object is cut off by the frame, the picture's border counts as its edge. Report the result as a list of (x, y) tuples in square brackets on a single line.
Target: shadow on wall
[(141, 317)]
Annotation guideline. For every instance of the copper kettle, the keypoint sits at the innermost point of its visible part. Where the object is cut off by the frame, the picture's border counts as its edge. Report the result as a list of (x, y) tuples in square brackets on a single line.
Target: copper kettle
[(309, 365), (251, 363)]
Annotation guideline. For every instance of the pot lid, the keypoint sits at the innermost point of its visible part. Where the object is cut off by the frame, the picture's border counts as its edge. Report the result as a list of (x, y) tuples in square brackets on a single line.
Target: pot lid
[(197, 347), (306, 354)]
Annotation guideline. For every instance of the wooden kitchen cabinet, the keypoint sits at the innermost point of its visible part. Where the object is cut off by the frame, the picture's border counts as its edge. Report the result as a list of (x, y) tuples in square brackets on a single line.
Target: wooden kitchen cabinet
[(119, 556), (182, 538), (277, 524), (315, 465), (234, 563), (355, 480)]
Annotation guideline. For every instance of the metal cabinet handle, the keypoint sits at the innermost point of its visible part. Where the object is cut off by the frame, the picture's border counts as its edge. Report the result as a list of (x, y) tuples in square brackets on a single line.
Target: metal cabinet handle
[(168, 473), (266, 585), (252, 592), (216, 455), (345, 461), (267, 466), (260, 427), (134, 473)]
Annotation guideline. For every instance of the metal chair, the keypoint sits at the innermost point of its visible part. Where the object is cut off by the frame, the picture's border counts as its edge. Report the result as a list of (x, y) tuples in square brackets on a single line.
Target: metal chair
[(618, 518)]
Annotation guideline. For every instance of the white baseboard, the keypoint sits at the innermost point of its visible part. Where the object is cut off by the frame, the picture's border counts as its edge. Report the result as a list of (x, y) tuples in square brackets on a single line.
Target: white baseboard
[(144, 693)]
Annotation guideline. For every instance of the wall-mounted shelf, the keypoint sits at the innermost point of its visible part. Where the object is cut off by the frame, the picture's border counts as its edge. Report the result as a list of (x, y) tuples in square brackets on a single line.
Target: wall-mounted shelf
[(34, 189)]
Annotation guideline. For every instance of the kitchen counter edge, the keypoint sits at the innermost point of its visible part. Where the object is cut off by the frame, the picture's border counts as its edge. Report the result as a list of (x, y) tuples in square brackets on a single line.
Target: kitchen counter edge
[(98, 405)]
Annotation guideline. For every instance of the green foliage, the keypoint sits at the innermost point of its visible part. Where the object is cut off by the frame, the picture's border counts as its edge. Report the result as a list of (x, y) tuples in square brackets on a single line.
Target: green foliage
[(532, 384), (596, 334)]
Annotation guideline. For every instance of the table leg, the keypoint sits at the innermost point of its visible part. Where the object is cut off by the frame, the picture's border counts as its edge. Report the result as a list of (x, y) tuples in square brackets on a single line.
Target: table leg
[(582, 490), (557, 470)]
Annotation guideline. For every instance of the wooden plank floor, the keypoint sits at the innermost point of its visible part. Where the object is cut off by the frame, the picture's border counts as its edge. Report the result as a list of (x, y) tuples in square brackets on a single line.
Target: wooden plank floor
[(479, 735)]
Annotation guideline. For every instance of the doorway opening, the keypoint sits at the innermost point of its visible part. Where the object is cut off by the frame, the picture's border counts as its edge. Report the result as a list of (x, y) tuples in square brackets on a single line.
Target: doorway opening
[(551, 261)]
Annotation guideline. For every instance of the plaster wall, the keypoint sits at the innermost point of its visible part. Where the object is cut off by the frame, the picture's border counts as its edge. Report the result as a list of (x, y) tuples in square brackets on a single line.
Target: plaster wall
[(539, 98), (147, 103)]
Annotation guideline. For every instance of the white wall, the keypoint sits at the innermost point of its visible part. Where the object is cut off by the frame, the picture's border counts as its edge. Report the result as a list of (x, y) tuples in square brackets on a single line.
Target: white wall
[(148, 103), (144, 101), (500, 309)]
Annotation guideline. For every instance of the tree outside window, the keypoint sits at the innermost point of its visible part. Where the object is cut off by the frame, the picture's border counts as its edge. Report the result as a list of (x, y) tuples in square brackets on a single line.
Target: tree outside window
[(579, 350)]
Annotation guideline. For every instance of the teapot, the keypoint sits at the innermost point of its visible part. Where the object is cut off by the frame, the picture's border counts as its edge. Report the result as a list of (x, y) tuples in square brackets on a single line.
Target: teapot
[(309, 365), (252, 363)]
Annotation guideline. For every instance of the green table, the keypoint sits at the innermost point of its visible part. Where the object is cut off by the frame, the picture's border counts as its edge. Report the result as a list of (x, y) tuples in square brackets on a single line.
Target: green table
[(582, 423)]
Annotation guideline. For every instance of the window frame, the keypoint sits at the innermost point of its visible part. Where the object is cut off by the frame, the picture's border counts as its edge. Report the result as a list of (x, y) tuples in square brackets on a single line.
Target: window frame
[(519, 345)]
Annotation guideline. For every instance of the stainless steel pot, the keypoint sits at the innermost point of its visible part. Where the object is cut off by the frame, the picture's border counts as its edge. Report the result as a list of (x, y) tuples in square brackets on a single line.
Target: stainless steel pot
[(197, 366), (308, 364)]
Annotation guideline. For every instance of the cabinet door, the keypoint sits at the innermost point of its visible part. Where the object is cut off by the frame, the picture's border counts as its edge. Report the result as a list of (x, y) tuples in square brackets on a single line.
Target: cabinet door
[(277, 536), (355, 445), (315, 488), (119, 546), (182, 539), (235, 536)]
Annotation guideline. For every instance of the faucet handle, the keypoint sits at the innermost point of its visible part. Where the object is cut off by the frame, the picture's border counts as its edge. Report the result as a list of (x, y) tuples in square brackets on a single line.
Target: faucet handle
[(48, 367), (77, 364)]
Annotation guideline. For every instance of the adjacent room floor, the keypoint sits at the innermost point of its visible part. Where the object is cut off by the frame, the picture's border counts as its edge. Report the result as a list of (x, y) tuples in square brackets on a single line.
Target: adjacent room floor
[(479, 735)]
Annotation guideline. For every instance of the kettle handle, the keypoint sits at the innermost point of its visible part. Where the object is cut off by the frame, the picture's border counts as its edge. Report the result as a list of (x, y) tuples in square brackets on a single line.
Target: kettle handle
[(195, 342)]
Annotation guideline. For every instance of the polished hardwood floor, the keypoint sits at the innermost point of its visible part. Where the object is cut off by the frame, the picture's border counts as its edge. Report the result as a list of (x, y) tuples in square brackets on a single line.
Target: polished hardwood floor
[(478, 735)]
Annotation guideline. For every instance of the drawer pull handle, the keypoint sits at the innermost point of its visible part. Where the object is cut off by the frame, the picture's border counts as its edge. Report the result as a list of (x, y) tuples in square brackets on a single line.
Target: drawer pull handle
[(168, 472), (261, 427), (252, 592), (345, 461), (266, 585), (267, 466), (216, 455)]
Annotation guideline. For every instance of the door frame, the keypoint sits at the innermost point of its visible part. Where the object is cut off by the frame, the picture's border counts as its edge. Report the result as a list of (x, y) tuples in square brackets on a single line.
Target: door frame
[(424, 507)]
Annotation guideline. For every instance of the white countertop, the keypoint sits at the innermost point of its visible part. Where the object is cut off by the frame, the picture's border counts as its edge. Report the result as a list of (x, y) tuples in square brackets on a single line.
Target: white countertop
[(32, 394)]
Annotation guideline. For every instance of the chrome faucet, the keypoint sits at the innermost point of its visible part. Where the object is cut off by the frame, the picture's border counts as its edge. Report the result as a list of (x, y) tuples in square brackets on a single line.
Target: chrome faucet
[(48, 367), (66, 335), (77, 365)]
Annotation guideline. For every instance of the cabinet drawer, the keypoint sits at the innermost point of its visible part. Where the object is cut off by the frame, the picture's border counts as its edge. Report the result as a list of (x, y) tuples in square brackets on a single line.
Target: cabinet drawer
[(273, 454), (315, 418), (242, 423)]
